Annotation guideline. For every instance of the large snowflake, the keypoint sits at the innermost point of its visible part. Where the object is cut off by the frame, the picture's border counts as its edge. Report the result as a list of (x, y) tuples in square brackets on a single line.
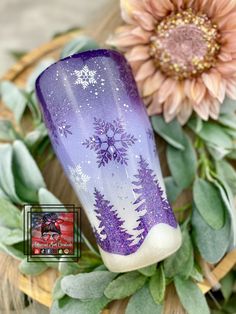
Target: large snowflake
[(85, 77), (110, 141), (79, 178)]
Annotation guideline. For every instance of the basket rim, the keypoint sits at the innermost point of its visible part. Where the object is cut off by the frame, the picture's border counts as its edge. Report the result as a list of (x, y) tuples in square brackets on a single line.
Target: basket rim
[(27, 61)]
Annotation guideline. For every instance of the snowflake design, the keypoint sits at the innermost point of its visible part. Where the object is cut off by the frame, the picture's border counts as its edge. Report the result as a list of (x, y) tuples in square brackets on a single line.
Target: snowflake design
[(79, 178), (85, 77), (150, 134), (110, 142), (64, 129)]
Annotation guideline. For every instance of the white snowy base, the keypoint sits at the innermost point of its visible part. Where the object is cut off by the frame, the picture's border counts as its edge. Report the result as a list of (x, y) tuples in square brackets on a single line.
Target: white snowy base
[(161, 241)]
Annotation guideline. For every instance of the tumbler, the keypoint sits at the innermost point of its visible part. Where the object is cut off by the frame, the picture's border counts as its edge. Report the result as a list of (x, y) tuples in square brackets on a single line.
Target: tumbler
[(102, 136)]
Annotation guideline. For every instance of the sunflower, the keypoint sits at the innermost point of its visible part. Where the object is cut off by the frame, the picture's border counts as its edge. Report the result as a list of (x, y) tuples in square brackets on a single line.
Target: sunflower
[(182, 52)]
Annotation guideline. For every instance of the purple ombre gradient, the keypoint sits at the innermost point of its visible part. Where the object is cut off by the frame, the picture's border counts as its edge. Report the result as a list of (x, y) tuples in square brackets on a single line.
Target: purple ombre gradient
[(103, 138)]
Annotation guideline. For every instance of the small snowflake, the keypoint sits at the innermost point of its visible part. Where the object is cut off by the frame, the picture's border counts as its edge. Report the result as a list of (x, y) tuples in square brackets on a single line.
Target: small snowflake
[(110, 142), (64, 129), (85, 77), (150, 134), (79, 178)]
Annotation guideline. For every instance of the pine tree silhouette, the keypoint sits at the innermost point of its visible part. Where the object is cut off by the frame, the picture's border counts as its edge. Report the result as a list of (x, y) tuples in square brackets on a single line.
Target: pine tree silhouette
[(151, 200), (114, 237)]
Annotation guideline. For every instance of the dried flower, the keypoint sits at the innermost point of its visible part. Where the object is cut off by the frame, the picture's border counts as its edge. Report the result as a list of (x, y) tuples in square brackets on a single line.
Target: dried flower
[(182, 52)]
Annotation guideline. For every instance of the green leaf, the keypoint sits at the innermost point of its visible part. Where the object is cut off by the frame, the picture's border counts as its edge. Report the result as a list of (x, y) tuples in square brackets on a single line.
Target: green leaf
[(82, 43), (228, 120), (172, 189), (13, 98), (7, 131), (35, 136), (228, 199), (32, 268), (181, 262), (10, 216), (227, 173), (209, 203), (171, 132), (42, 65), (227, 284), (196, 274), (125, 285), (218, 152), (230, 306), (57, 292), (68, 268), (191, 296), (67, 305), (27, 174), (149, 270), (228, 106), (87, 285), (157, 285), (214, 134), (10, 236), (182, 164), (46, 197), (15, 250), (212, 244), (6, 178), (142, 302)]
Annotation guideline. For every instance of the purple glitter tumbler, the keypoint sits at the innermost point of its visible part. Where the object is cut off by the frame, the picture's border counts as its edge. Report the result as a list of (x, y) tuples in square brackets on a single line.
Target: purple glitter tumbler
[(102, 136)]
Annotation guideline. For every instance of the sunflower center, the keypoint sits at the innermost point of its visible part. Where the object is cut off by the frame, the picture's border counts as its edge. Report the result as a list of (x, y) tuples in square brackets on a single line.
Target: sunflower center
[(185, 44)]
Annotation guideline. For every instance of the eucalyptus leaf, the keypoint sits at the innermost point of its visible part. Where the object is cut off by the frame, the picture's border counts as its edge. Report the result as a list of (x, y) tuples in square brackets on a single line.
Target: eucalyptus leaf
[(28, 177), (214, 134), (57, 292), (7, 179), (218, 152), (230, 306), (142, 302), (15, 250), (7, 131), (46, 197), (87, 286), (227, 173), (149, 270), (228, 106), (68, 268), (191, 296), (228, 120), (32, 268), (157, 285), (171, 132), (28, 170), (228, 199), (209, 203), (227, 284), (172, 189), (10, 215), (212, 244), (13, 98), (182, 164), (35, 136), (125, 285), (3, 194), (44, 64), (196, 274), (181, 262), (66, 305), (79, 44), (10, 236)]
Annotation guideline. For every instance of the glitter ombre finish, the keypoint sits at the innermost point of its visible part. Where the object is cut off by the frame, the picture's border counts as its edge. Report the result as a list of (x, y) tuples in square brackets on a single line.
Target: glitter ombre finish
[(102, 136)]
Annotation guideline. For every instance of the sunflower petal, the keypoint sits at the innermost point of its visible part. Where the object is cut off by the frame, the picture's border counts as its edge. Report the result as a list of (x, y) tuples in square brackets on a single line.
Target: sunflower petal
[(146, 69), (153, 83)]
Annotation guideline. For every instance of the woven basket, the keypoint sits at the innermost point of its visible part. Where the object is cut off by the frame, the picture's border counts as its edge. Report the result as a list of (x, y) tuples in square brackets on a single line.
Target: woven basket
[(39, 287)]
